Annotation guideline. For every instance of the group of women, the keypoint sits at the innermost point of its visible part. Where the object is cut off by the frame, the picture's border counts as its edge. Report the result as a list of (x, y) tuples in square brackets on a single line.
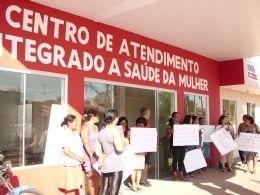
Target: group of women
[(247, 126), (91, 148), (97, 152), (88, 147), (226, 161), (178, 152)]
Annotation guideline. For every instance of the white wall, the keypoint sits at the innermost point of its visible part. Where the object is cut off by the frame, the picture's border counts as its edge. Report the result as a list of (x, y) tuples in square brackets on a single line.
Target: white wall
[(241, 100)]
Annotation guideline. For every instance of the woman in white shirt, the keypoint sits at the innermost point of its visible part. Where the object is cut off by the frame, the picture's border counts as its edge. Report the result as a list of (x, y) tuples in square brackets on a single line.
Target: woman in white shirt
[(71, 176)]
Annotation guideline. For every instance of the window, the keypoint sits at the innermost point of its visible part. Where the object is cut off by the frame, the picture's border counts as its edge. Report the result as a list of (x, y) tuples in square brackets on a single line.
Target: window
[(196, 105), (250, 108), (230, 109), (128, 101), (25, 101)]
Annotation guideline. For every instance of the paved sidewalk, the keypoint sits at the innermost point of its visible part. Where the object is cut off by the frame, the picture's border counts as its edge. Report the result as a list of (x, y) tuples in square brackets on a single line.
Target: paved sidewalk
[(213, 181)]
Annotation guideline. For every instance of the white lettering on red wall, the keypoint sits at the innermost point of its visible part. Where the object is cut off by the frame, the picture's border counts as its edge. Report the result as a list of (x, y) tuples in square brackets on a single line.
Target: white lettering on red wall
[(59, 42)]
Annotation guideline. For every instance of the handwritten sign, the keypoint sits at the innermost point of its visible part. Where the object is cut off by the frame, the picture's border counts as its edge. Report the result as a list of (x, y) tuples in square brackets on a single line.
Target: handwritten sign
[(143, 139), (185, 135), (249, 142), (223, 141), (130, 160), (207, 130), (55, 134), (194, 160)]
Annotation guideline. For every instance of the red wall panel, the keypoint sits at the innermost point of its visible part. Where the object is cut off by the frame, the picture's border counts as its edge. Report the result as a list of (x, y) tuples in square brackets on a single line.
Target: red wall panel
[(68, 44)]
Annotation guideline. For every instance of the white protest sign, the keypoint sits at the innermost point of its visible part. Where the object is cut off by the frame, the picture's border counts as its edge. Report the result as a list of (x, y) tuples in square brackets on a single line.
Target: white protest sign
[(186, 135), (194, 160), (130, 161), (249, 142), (223, 141), (143, 139), (207, 130), (55, 133)]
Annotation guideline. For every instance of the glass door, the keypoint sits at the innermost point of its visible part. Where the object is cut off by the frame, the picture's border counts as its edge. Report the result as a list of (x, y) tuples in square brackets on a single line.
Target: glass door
[(165, 106)]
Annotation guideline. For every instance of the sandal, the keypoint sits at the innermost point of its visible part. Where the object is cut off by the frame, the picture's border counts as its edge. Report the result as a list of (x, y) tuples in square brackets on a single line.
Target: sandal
[(134, 189), (175, 176), (247, 171)]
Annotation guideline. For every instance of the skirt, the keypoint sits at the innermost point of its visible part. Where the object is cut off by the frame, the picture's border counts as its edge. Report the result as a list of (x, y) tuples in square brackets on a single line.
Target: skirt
[(140, 161), (71, 178)]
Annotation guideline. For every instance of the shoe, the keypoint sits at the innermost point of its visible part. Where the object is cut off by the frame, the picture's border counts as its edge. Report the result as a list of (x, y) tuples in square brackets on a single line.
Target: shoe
[(175, 176), (181, 176), (247, 171), (147, 184), (134, 189), (139, 188), (254, 172)]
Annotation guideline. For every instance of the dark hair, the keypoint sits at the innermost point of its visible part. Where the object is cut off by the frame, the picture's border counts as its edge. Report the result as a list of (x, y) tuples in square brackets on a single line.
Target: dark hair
[(174, 113), (221, 119), (143, 110), (250, 118), (194, 117), (141, 120), (110, 116), (88, 113), (68, 119), (186, 119), (244, 116), (123, 118), (200, 119), (170, 123)]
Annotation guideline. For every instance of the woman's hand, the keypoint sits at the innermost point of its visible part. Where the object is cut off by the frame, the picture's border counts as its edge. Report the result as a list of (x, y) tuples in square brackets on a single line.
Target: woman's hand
[(89, 174), (81, 159)]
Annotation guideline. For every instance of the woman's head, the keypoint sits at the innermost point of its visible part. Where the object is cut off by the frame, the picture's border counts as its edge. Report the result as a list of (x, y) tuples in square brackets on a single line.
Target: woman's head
[(187, 119), (111, 116), (70, 121), (248, 119), (141, 122), (123, 121), (202, 120), (145, 112), (91, 114), (195, 119), (175, 119), (223, 119)]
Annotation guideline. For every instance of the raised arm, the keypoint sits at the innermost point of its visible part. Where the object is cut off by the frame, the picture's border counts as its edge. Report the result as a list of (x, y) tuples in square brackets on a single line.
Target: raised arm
[(120, 142)]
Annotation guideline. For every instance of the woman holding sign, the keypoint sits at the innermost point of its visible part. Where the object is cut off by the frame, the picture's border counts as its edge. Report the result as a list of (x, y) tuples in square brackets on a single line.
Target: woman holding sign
[(250, 127), (223, 122), (178, 152), (137, 173)]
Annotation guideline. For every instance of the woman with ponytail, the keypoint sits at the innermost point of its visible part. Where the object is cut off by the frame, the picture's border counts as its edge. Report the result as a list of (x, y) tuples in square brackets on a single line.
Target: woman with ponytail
[(111, 144), (89, 133), (71, 177)]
